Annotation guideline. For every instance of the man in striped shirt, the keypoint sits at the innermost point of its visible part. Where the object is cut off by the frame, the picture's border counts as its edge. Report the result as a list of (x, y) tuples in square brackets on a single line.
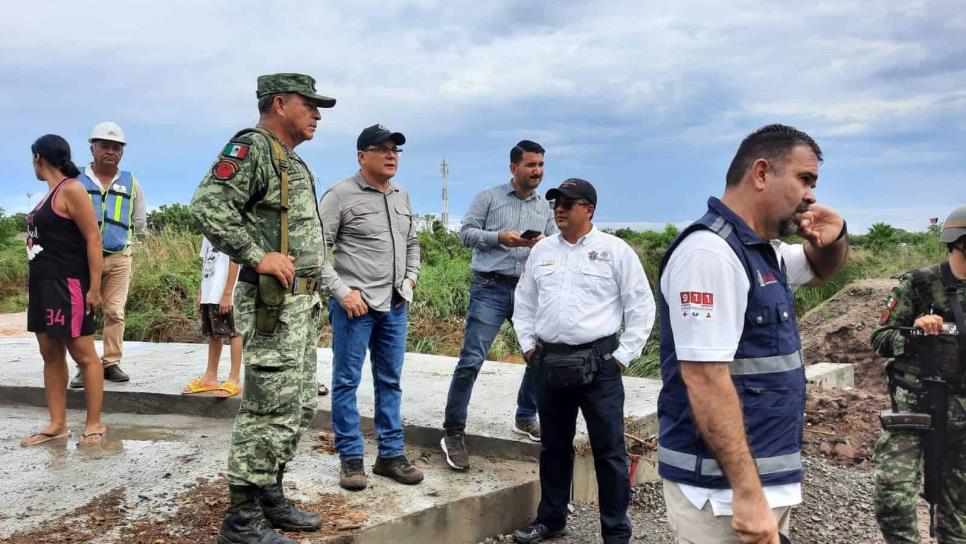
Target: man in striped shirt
[(501, 226)]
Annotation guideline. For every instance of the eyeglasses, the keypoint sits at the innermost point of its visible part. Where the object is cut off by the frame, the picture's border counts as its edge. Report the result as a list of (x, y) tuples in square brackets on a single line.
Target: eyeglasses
[(385, 150), (566, 203)]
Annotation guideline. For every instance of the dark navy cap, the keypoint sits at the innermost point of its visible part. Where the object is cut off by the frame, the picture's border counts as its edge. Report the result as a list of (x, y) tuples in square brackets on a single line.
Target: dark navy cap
[(575, 188), (376, 134)]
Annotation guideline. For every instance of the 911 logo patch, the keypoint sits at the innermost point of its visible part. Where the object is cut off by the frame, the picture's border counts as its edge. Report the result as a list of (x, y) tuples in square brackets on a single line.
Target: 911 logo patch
[(697, 304)]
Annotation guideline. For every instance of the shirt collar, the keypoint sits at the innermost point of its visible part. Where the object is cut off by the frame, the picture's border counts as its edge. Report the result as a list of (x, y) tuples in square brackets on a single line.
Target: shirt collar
[(89, 172), (361, 182), (511, 190), (583, 240)]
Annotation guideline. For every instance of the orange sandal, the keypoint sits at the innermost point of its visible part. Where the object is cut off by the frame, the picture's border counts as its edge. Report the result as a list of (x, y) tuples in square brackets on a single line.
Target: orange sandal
[(197, 387)]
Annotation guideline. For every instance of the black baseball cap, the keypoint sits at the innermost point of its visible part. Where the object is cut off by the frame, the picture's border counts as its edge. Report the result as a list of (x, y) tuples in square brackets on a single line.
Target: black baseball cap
[(376, 134), (575, 188)]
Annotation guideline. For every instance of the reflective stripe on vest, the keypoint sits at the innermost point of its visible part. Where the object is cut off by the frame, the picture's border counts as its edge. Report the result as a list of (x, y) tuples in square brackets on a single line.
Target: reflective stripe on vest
[(709, 467), (764, 365), (113, 208)]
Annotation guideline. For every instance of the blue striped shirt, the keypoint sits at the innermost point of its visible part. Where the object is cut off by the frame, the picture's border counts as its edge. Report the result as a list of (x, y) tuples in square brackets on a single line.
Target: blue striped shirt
[(497, 209)]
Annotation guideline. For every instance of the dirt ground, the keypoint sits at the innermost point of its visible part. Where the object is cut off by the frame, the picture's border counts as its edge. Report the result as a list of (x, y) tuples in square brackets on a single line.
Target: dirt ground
[(197, 517), (838, 330), (842, 426), (13, 325)]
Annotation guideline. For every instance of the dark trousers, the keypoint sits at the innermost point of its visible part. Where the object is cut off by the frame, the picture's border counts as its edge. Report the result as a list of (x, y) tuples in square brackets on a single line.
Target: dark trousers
[(602, 403)]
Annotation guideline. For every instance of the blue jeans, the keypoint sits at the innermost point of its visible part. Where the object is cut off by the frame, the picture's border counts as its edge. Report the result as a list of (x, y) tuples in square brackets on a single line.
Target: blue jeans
[(384, 334), (491, 302)]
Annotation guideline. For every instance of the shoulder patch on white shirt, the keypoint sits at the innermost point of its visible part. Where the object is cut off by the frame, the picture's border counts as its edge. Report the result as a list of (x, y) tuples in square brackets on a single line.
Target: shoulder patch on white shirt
[(697, 304)]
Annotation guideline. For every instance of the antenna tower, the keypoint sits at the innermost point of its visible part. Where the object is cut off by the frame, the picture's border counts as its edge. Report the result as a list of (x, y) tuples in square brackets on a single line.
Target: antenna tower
[(444, 169)]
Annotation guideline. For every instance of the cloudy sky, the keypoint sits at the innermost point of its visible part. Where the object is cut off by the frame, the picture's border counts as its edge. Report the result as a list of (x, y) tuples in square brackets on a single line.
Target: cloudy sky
[(648, 100)]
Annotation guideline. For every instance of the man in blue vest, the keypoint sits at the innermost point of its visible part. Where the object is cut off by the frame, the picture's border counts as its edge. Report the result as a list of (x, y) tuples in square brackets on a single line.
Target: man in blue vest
[(731, 409), (120, 209)]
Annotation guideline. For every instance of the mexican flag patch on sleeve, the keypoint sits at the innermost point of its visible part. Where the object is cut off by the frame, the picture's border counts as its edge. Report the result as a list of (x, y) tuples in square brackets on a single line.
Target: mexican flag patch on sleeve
[(237, 151)]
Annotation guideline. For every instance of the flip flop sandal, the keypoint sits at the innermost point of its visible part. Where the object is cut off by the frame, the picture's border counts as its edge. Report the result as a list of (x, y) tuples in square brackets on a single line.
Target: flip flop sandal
[(230, 388), (197, 387), (44, 437), (323, 390), (83, 437)]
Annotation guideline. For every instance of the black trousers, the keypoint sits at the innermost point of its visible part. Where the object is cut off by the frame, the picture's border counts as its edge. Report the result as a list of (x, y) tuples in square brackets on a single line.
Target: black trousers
[(602, 403)]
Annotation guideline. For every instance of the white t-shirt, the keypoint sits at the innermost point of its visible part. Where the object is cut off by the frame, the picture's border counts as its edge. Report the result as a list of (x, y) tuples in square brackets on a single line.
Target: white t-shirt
[(214, 273), (706, 288)]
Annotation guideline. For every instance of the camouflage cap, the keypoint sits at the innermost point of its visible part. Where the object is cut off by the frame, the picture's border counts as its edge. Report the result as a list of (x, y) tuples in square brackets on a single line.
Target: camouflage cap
[(955, 226), (292, 83)]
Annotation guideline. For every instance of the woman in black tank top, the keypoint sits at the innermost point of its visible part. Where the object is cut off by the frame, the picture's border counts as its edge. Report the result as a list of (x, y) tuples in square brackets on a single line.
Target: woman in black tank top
[(64, 264)]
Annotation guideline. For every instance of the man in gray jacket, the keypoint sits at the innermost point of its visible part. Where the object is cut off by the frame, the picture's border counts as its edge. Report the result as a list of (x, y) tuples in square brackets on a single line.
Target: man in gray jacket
[(368, 222)]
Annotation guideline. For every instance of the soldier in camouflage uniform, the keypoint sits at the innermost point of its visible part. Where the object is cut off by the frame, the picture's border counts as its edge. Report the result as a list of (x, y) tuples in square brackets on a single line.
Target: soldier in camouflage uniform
[(920, 301), (238, 206)]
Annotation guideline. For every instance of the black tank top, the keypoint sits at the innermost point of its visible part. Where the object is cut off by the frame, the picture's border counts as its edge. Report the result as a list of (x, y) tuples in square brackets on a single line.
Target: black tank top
[(55, 246)]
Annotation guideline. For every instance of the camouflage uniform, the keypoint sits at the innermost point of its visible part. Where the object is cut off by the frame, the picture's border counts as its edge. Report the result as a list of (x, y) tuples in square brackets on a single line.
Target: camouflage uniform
[(237, 205), (898, 455)]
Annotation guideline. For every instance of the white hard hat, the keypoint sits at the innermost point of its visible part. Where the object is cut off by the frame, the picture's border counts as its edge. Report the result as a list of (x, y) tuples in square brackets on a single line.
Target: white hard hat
[(107, 131)]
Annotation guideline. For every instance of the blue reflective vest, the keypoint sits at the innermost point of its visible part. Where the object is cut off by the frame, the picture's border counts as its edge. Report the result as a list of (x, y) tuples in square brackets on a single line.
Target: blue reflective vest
[(768, 370), (113, 209)]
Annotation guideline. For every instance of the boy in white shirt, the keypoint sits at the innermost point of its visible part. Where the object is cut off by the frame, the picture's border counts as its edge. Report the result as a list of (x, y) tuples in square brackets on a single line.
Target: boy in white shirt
[(218, 275)]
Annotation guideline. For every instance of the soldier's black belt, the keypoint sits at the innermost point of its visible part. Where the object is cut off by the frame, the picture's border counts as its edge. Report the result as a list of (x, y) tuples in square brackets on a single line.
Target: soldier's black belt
[(301, 285)]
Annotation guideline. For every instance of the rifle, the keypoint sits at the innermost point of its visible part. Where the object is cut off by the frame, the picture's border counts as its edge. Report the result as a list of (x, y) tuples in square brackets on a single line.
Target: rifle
[(931, 421)]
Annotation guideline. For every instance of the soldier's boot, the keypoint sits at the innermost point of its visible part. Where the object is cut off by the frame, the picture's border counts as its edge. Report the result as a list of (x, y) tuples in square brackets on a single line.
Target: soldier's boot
[(244, 522), (281, 513)]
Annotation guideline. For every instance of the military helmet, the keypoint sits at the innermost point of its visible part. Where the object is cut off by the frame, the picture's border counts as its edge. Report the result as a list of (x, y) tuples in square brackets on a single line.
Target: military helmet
[(955, 226)]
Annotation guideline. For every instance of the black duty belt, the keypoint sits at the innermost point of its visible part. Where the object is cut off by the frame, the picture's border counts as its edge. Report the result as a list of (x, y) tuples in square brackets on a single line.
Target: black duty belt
[(301, 286), (603, 346), (493, 276)]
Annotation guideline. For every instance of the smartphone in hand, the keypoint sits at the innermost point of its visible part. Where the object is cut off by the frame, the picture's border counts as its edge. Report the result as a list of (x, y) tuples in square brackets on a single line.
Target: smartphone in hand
[(530, 234)]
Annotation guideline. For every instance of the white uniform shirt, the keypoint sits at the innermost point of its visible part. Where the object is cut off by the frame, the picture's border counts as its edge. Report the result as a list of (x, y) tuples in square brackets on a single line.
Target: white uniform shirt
[(577, 293), (705, 264), (214, 273)]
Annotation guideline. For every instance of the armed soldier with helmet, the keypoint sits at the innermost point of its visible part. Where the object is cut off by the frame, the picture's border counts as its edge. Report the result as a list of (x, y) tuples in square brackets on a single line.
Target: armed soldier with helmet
[(926, 429)]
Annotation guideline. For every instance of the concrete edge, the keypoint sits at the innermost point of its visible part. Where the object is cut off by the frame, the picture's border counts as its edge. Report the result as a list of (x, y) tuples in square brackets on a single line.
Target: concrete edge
[(160, 403), (465, 521), (830, 375)]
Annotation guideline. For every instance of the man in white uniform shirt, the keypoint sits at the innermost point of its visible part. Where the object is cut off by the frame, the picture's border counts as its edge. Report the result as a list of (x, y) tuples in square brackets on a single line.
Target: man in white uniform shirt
[(731, 408), (577, 289)]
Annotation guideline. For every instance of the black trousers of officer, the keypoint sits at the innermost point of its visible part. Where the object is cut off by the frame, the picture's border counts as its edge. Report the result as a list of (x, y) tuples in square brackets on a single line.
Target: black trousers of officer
[(602, 403)]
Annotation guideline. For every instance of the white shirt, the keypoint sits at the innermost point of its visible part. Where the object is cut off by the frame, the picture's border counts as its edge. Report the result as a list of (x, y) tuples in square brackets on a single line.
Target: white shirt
[(577, 293), (704, 267), (214, 273)]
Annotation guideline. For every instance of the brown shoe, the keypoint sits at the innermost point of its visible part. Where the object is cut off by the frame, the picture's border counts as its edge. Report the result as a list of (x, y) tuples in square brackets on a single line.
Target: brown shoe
[(352, 475), (398, 468)]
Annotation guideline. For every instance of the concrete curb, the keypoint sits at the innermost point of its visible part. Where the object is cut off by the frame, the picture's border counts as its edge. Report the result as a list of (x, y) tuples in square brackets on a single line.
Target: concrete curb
[(467, 520)]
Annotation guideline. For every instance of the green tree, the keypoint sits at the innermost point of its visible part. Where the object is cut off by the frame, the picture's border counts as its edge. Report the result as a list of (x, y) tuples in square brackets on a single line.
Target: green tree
[(175, 217), (881, 236)]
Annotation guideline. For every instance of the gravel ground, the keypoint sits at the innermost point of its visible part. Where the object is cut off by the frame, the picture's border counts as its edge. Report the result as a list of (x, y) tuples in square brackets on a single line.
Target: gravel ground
[(837, 509)]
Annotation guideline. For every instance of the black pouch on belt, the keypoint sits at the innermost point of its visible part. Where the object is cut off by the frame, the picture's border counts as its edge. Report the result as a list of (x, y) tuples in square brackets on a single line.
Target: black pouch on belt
[(268, 304), (568, 369)]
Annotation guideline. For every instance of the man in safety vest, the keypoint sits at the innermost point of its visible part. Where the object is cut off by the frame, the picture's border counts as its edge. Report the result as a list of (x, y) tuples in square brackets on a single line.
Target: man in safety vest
[(120, 209)]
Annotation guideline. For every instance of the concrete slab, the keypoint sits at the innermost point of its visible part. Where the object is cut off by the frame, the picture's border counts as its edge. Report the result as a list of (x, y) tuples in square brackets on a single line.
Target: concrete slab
[(158, 458), (159, 371), (830, 375)]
